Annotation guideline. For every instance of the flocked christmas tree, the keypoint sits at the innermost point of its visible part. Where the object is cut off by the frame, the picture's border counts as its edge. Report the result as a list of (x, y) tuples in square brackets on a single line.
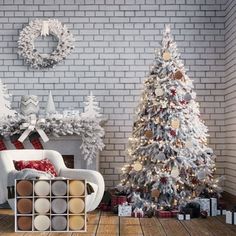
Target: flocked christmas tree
[(5, 103), (91, 123), (170, 162)]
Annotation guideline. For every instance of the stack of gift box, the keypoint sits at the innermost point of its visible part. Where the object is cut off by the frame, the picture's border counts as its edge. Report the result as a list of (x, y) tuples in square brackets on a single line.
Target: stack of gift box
[(199, 207)]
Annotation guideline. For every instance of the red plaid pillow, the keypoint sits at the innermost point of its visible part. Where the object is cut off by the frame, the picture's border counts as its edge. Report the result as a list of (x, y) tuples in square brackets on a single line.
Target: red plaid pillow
[(42, 165)]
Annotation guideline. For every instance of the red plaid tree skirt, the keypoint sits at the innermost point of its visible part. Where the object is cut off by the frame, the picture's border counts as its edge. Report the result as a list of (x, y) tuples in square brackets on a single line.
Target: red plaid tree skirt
[(165, 214), (118, 200)]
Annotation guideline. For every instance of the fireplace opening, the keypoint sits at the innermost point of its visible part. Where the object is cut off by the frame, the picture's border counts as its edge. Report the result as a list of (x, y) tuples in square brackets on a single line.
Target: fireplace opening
[(69, 161)]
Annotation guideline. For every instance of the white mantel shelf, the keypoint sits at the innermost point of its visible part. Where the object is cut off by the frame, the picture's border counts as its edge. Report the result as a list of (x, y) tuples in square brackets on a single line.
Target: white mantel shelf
[(66, 145)]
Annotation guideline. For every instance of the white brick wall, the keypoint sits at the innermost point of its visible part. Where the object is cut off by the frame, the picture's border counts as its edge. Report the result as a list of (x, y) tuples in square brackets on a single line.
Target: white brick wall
[(115, 41), (230, 97)]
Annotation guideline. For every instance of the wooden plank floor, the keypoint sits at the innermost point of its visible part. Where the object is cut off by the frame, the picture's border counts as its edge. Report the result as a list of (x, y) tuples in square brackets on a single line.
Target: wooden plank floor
[(108, 224)]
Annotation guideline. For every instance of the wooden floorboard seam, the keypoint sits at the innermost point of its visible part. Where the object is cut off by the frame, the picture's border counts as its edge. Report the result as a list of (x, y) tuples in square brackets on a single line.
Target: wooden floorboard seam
[(181, 221), (157, 219), (100, 214)]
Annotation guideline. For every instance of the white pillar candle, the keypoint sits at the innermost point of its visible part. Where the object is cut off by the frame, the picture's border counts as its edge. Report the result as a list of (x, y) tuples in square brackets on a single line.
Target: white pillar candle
[(42, 188), (42, 205), (42, 222)]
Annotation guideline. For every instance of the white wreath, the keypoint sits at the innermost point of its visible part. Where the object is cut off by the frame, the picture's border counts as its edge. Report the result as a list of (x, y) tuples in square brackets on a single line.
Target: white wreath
[(34, 30)]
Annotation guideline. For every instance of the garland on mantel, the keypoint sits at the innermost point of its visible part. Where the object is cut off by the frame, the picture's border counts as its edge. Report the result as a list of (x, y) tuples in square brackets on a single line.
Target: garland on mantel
[(86, 125)]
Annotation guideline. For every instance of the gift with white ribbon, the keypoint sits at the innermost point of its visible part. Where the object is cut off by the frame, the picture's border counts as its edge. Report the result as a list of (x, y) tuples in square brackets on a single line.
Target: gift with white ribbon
[(45, 29), (33, 124)]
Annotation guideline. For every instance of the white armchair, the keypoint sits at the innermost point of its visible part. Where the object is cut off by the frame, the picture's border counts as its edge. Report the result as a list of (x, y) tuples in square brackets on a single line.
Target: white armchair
[(7, 165)]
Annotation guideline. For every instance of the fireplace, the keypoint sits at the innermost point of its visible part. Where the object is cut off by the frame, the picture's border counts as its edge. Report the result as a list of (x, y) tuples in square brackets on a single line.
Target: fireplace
[(69, 147)]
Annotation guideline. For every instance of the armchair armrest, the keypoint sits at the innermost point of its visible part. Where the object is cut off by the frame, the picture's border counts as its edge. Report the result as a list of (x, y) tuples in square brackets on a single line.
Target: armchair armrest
[(90, 176)]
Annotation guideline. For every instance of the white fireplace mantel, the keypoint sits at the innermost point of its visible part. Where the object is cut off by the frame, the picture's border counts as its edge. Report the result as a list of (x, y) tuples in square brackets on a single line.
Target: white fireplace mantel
[(66, 145)]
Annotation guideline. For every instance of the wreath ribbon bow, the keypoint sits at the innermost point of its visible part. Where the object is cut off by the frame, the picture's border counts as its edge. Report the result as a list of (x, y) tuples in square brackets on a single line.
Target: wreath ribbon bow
[(45, 28), (34, 124)]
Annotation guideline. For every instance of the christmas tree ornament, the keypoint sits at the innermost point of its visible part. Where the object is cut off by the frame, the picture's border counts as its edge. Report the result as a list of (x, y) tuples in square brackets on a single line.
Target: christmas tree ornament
[(201, 174), (155, 193), (187, 97), (37, 28), (178, 75), (138, 166), (148, 134), (29, 105), (166, 55), (175, 172), (159, 92), (175, 123), (50, 107)]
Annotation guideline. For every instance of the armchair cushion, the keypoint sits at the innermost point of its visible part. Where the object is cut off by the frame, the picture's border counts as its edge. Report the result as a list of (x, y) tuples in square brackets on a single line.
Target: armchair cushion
[(42, 165)]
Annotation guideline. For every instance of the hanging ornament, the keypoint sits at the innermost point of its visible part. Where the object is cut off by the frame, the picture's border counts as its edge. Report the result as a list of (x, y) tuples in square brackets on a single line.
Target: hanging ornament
[(201, 174), (159, 92), (164, 103), (166, 55), (138, 166), (163, 180), (189, 143), (161, 156), (157, 120), (148, 134), (175, 172), (175, 123), (187, 97), (155, 193), (173, 133), (173, 92), (178, 75)]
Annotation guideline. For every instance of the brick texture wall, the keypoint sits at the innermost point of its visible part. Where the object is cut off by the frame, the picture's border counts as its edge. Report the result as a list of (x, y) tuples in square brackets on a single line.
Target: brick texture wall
[(115, 42), (230, 97)]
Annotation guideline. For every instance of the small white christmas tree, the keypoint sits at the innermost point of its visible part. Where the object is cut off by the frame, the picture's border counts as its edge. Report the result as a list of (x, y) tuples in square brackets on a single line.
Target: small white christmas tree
[(91, 110), (5, 104), (50, 107)]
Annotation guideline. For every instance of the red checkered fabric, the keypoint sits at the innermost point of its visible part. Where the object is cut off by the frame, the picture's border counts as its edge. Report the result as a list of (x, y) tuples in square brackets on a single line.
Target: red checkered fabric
[(37, 144), (18, 144), (165, 214), (118, 200), (2, 145)]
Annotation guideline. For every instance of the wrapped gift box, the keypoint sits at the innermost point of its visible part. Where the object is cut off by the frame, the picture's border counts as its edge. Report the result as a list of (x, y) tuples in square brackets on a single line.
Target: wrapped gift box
[(221, 212), (165, 214), (138, 213), (183, 216), (209, 205), (124, 210), (231, 217), (174, 213)]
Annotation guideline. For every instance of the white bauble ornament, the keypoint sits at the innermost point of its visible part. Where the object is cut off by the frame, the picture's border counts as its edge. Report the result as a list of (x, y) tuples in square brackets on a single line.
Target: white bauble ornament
[(138, 166), (189, 144), (159, 92), (161, 156), (201, 174), (175, 172), (29, 105)]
